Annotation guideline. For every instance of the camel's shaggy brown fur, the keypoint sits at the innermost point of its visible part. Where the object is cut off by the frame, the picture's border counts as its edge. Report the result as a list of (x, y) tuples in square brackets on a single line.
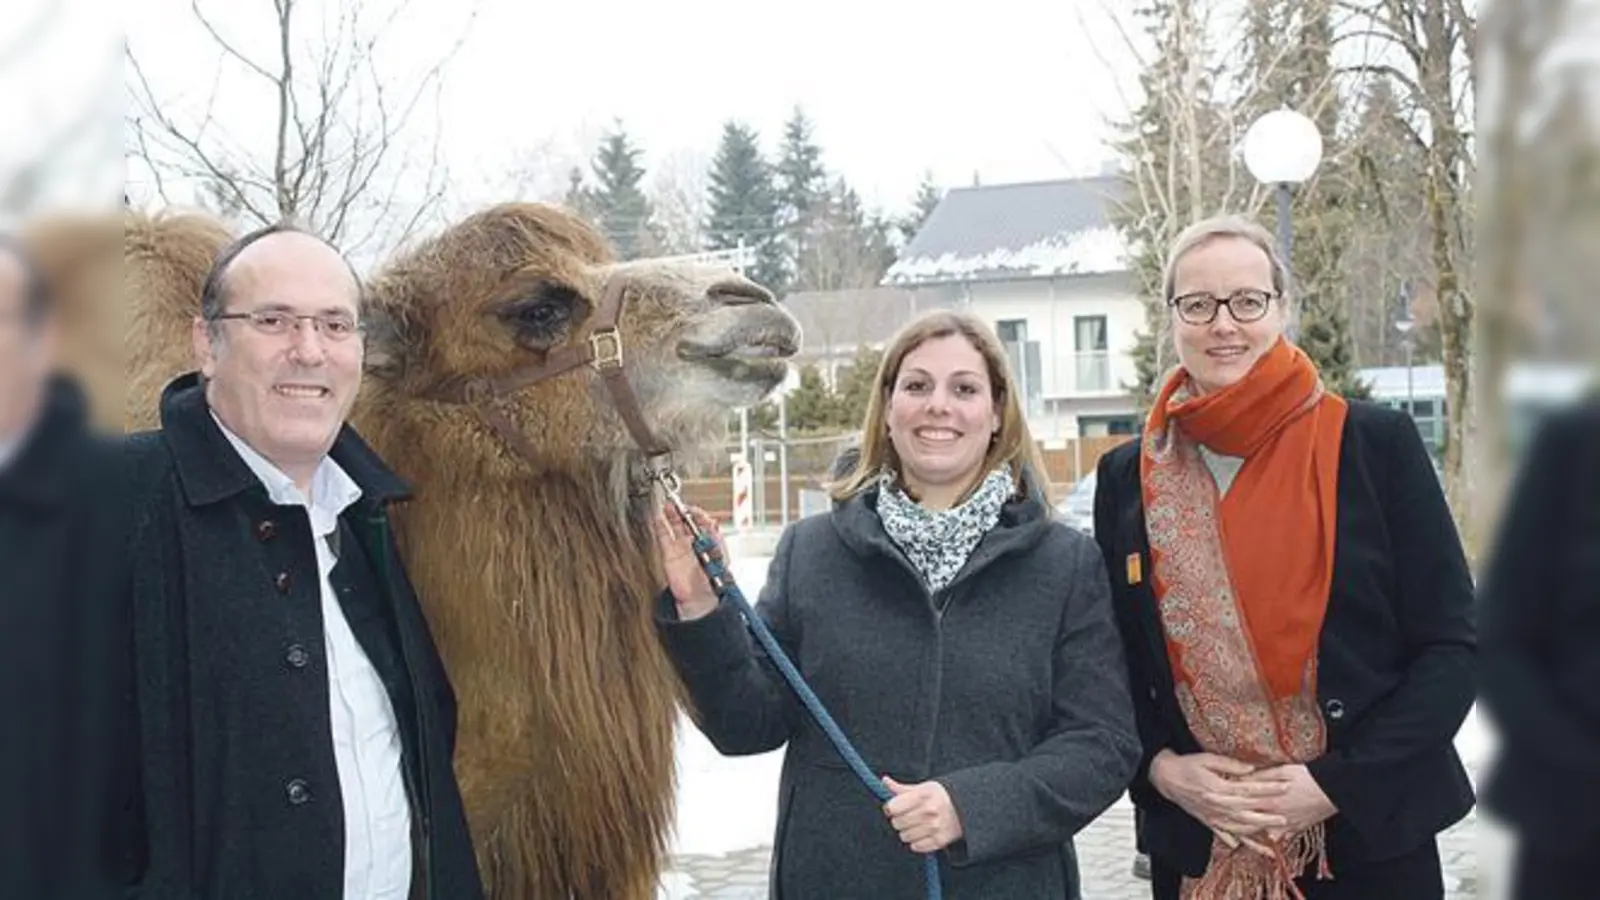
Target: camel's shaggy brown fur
[(165, 259), (535, 574)]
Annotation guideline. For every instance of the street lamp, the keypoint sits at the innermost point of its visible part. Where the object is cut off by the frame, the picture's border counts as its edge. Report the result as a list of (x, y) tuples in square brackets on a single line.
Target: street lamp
[(1283, 148), (1404, 323)]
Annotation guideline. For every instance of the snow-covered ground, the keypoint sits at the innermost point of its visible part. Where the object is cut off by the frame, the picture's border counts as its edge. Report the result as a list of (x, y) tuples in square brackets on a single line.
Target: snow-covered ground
[(730, 803), (726, 803)]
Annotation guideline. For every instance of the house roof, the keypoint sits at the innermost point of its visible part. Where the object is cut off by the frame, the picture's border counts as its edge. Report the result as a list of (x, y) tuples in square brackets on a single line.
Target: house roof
[(841, 321), (1533, 382), (1032, 230)]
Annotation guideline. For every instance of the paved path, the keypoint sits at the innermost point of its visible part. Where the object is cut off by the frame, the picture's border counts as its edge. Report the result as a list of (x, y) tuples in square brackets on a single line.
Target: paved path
[(1105, 854)]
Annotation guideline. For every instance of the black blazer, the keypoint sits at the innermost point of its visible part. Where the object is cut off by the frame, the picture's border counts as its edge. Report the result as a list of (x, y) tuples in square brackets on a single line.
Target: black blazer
[(1540, 606), (1395, 660)]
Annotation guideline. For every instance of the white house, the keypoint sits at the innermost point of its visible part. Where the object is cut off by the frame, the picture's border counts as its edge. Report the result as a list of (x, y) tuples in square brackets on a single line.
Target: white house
[(1041, 263), (1530, 389), (835, 325)]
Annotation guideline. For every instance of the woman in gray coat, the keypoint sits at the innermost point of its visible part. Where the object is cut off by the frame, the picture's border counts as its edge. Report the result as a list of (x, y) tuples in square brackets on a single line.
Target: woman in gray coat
[(960, 636)]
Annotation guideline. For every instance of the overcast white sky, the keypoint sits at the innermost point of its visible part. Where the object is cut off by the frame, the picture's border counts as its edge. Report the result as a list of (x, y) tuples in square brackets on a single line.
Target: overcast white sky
[(59, 75), (1009, 89)]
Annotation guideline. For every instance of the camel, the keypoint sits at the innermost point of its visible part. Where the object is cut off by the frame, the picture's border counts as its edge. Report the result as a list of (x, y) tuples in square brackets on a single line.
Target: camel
[(530, 551)]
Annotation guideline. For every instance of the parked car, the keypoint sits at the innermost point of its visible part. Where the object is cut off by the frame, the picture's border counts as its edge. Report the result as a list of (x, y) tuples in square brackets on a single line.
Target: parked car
[(1077, 507)]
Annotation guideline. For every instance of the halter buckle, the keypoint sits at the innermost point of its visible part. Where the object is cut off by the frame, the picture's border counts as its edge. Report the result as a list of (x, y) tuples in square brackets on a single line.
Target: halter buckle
[(606, 346)]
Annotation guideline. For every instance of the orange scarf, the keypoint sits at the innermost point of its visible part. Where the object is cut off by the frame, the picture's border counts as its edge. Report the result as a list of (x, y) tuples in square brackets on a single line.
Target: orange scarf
[(1241, 580)]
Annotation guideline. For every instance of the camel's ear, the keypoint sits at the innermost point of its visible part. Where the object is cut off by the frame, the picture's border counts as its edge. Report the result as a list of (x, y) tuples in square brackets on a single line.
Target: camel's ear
[(389, 340)]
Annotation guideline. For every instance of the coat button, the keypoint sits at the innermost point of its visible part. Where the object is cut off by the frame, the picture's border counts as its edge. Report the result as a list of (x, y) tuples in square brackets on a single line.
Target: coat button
[(1153, 695), (297, 656), (1335, 709), (298, 791), (266, 530), (281, 582)]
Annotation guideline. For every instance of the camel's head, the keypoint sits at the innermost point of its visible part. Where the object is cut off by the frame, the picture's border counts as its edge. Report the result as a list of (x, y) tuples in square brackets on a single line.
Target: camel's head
[(504, 290)]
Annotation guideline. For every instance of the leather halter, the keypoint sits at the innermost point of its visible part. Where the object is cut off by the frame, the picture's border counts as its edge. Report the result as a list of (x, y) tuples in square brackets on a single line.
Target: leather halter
[(601, 350)]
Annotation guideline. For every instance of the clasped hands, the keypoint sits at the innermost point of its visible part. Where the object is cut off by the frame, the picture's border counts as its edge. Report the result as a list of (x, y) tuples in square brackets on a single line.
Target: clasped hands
[(1241, 803)]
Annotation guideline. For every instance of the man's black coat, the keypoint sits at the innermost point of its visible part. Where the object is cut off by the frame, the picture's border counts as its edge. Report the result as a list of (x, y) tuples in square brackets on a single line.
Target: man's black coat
[(240, 789)]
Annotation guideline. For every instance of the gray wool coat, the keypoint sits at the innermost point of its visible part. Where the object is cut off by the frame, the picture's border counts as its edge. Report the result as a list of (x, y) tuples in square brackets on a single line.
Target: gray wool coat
[(1008, 687)]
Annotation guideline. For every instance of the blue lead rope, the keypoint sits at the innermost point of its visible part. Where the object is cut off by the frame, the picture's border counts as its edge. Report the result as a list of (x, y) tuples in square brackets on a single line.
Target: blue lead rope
[(705, 547)]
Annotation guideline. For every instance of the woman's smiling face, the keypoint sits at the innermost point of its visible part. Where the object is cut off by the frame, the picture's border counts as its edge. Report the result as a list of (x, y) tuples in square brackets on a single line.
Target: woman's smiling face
[(942, 414)]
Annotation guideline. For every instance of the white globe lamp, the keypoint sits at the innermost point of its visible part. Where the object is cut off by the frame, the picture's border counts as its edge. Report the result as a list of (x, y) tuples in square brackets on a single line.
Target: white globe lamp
[(1283, 148)]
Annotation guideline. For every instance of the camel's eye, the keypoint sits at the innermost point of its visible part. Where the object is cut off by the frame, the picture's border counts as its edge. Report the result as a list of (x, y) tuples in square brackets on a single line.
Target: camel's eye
[(546, 315), (542, 317)]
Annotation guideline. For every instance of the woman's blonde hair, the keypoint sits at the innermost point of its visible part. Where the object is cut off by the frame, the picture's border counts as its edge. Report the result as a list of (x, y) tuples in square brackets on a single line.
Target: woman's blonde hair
[(1012, 446), (1204, 232), (1228, 226)]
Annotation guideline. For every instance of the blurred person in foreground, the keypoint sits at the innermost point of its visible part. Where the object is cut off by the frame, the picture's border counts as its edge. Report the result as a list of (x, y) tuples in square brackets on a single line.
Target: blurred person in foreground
[(1296, 606), (959, 632), (1539, 610), (63, 659)]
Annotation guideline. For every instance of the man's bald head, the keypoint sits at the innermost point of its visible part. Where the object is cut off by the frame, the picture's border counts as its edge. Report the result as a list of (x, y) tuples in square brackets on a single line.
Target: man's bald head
[(285, 376), (265, 249)]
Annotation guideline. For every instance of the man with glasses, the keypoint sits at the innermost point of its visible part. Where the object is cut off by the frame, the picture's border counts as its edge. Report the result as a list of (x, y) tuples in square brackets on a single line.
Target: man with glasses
[(60, 670), (297, 725)]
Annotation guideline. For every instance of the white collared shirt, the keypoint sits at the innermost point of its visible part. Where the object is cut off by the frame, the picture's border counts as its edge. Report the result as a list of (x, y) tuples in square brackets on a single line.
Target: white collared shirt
[(366, 737)]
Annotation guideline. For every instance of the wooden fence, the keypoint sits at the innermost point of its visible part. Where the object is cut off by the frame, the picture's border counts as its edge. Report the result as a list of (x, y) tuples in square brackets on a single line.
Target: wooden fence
[(712, 489)]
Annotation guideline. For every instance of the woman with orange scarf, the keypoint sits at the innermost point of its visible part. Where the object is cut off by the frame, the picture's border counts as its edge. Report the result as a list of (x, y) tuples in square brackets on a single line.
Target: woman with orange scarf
[(1296, 607)]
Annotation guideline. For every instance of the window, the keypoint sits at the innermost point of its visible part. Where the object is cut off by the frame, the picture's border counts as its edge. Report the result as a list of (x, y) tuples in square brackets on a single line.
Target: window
[(1428, 414), (1091, 361), (1026, 363), (1106, 426)]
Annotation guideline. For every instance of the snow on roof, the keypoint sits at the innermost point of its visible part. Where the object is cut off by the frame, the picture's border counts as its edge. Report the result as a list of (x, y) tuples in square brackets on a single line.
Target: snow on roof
[(1030, 230), (1089, 252)]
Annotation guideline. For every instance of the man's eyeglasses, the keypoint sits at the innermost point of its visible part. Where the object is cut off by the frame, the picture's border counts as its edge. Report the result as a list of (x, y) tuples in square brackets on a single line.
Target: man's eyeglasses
[(333, 326), (1201, 308)]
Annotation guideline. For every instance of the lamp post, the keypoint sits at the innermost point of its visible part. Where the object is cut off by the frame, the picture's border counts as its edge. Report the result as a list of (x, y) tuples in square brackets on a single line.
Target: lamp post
[(1403, 323), (1283, 148)]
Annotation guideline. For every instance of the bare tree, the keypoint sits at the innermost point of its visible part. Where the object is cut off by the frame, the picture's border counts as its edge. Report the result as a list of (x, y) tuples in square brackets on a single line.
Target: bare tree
[(849, 248), (1425, 50), (542, 168), (337, 157), (678, 194), (1181, 139)]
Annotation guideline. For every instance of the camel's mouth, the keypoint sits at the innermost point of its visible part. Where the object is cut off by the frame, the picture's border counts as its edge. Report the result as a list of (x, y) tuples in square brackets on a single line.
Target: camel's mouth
[(745, 356)]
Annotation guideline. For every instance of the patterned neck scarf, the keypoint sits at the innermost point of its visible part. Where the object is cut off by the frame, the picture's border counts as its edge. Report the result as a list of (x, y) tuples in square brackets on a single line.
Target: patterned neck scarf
[(1241, 582), (937, 543)]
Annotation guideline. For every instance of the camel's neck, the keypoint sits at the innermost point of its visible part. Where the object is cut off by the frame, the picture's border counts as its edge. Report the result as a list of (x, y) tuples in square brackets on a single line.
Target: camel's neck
[(538, 587)]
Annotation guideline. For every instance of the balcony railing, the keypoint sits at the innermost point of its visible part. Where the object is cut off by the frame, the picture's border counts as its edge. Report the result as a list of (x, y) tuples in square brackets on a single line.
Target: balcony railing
[(1091, 372)]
